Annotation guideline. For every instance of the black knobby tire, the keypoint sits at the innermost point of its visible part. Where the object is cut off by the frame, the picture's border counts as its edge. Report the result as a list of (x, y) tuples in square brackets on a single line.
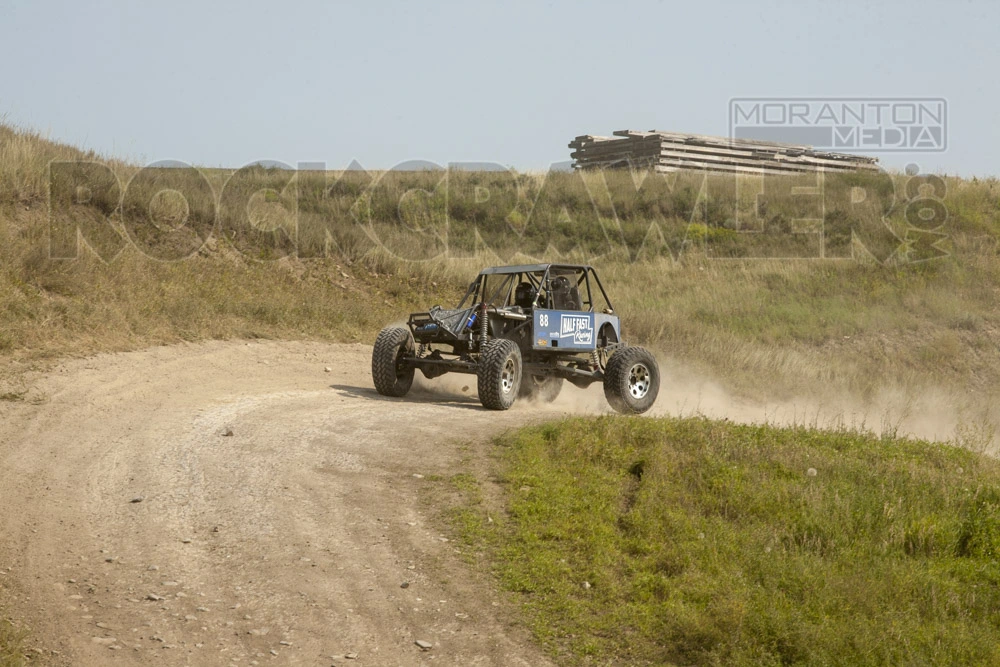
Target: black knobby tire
[(499, 374), (540, 387), (391, 377), (631, 380)]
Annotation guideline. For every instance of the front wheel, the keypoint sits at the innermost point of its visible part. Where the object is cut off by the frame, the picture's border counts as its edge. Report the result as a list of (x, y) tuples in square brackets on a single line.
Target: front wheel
[(499, 374), (631, 380), (390, 372)]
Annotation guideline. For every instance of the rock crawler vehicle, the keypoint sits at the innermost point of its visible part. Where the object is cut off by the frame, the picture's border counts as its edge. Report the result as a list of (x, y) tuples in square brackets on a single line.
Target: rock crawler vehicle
[(522, 331)]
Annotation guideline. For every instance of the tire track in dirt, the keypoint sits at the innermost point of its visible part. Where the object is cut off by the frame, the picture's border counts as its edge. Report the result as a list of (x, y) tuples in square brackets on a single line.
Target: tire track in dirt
[(283, 543)]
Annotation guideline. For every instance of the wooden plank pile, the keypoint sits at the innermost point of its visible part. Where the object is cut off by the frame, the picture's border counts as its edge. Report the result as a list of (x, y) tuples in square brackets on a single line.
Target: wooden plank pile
[(670, 151)]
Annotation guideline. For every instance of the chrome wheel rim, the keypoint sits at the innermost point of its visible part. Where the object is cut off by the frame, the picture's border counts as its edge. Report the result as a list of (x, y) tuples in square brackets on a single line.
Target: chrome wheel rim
[(638, 381), (507, 377)]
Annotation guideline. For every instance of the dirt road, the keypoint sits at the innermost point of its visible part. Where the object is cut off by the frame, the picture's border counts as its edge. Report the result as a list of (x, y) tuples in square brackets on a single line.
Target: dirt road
[(136, 532)]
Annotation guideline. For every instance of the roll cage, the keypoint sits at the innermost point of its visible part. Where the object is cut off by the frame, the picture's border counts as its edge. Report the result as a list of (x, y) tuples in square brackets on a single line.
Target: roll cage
[(495, 287), (570, 287)]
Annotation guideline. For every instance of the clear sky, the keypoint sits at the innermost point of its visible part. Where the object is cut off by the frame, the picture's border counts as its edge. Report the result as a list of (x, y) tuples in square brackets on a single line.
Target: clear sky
[(383, 82)]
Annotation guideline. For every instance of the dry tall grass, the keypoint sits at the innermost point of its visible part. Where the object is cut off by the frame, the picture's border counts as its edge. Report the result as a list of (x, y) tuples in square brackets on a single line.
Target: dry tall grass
[(725, 274)]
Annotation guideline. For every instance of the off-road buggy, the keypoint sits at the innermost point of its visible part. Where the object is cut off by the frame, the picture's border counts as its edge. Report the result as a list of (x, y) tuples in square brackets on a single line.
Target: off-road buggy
[(522, 330)]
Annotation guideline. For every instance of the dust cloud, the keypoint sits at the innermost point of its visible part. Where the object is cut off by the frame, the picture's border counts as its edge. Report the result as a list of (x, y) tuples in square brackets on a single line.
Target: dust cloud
[(927, 413), (931, 413)]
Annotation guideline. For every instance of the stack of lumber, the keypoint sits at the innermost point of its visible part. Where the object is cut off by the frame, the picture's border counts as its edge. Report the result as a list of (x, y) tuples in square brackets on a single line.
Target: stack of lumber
[(670, 151)]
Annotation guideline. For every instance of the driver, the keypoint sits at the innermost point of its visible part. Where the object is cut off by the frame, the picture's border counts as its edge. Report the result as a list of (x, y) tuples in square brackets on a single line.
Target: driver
[(524, 295)]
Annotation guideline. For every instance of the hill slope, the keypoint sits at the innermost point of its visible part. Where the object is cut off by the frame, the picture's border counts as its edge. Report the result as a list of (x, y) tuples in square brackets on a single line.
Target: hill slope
[(700, 542), (707, 269)]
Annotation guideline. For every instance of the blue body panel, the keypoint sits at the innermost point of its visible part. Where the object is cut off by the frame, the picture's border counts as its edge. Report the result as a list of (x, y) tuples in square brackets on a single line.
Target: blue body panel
[(568, 329)]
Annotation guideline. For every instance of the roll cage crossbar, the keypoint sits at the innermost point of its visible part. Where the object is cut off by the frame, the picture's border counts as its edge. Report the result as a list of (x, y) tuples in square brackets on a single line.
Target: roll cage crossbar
[(540, 277)]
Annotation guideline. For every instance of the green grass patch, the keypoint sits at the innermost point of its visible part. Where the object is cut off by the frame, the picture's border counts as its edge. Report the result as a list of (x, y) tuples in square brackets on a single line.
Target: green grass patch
[(11, 645), (690, 541)]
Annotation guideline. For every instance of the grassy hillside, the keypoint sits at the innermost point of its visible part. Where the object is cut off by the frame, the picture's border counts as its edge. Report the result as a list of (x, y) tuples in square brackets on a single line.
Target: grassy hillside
[(59, 297), (695, 542), (722, 274)]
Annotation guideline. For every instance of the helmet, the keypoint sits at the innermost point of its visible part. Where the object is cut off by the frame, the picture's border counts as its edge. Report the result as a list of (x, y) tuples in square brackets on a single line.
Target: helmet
[(524, 295)]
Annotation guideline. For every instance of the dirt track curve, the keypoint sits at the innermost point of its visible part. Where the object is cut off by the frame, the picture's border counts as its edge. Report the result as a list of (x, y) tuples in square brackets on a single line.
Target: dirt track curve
[(284, 543)]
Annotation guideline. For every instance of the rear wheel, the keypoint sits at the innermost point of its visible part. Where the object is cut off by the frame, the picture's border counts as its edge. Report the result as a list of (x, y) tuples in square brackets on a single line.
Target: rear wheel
[(631, 380), (499, 374), (540, 387), (390, 373)]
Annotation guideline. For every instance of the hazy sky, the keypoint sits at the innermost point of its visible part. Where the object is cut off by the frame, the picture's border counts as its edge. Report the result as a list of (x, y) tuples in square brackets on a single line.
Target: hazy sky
[(216, 83)]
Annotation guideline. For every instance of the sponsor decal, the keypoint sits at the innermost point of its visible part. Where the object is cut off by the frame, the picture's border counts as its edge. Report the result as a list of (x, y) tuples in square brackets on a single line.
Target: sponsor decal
[(577, 327)]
